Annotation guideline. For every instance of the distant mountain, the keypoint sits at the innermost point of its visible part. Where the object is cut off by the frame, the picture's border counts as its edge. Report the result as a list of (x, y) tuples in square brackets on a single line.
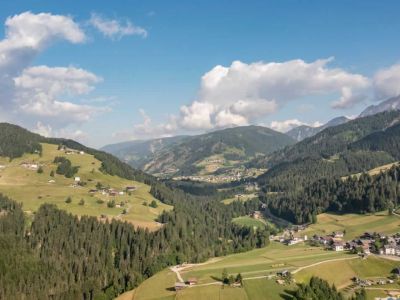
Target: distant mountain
[(387, 105), (139, 153), (202, 154), (302, 132)]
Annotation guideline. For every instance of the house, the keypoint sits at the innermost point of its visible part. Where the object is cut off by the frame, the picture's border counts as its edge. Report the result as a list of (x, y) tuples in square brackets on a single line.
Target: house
[(337, 234), (192, 281), (121, 193), (337, 246), (366, 249), (282, 273), (81, 152), (130, 188), (51, 181), (389, 250), (92, 191), (180, 286), (280, 281), (77, 179)]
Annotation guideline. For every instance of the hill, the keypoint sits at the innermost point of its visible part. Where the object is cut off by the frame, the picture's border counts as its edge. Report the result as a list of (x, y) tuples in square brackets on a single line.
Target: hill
[(32, 180), (332, 152), (139, 153), (218, 151), (48, 253)]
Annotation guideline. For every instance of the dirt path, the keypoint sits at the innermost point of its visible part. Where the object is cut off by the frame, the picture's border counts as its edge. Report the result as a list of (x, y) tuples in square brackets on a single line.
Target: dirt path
[(179, 268), (322, 262)]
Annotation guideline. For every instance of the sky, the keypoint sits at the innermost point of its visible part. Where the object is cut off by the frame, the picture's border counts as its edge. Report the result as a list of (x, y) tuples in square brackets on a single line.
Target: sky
[(103, 72)]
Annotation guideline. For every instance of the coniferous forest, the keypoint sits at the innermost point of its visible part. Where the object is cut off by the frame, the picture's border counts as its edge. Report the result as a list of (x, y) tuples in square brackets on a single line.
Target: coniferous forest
[(61, 256)]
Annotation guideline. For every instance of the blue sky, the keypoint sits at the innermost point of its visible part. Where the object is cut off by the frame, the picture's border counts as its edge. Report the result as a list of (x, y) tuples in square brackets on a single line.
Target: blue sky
[(146, 80)]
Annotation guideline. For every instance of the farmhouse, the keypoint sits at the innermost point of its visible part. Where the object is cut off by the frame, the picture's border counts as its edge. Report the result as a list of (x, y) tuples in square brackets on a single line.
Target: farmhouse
[(389, 250), (77, 179), (180, 286), (337, 246), (92, 191), (130, 188), (337, 234), (192, 281)]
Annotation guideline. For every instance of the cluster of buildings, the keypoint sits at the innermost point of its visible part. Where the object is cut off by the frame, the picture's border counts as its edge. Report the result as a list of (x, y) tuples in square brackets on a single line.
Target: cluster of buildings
[(113, 192), (70, 151), (30, 166), (182, 285)]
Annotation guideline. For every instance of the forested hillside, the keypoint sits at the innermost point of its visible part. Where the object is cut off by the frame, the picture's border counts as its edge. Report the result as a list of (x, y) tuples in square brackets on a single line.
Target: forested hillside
[(56, 255), (223, 149), (355, 194), (334, 152)]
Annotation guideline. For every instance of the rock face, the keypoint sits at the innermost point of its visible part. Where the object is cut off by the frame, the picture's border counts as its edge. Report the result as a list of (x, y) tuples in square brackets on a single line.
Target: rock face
[(302, 132), (387, 105)]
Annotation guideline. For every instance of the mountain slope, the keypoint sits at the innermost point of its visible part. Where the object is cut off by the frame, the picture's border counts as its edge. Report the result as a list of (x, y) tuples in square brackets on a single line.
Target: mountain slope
[(387, 105), (139, 153), (301, 132), (331, 153), (210, 152), (202, 154), (34, 177)]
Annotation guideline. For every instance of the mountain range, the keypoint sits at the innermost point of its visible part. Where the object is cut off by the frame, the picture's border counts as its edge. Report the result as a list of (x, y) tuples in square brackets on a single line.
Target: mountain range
[(201, 154), (223, 150)]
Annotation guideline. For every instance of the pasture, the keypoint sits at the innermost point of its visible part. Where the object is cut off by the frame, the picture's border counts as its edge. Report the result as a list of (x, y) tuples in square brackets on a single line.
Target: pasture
[(33, 189), (305, 261), (353, 224)]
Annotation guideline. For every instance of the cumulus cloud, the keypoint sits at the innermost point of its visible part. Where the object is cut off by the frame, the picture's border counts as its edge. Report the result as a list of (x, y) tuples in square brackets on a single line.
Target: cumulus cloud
[(387, 82), (68, 133), (242, 93), (31, 92), (115, 29), (284, 126), (147, 129), (39, 88)]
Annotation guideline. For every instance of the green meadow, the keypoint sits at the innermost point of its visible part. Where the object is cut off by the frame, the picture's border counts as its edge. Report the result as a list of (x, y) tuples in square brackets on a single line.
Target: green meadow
[(256, 265), (33, 189)]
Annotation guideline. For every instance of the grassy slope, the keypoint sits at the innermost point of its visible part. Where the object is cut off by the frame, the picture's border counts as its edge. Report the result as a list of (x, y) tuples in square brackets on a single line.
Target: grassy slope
[(354, 224), (248, 221), (33, 189), (269, 260)]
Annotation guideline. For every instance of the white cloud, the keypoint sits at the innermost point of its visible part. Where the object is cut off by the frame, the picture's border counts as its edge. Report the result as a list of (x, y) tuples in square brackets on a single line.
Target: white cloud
[(284, 126), (39, 88), (243, 93), (30, 92), (115, 29), (387, 82), (147, 129), (48, 131)]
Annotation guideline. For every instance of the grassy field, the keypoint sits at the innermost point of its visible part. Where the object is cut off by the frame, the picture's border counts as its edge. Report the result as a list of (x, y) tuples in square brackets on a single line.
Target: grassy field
[(33, 189), (370, 268), (353, 224), (257, 264), (377, 170), (242, 197), (250, 222)]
